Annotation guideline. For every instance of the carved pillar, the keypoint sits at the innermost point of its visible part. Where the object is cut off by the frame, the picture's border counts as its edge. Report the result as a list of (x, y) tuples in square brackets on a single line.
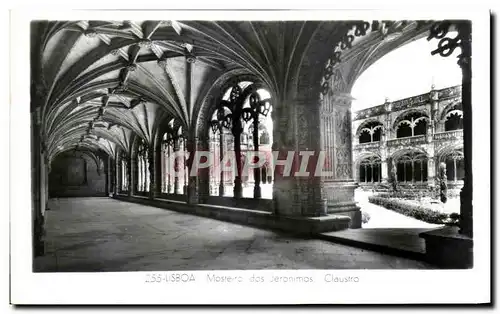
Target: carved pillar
[(221, 157), (466, 193), (130, 175), (167, 156), (177, 187), (116, 175), (385, 170), (339, 189), (199, 182), (107, 174), (185, 167), (237, 129), (287, 198), (384, 157), (431, 171), (256, 189), (159, 169), (36, 172), (151, 168)]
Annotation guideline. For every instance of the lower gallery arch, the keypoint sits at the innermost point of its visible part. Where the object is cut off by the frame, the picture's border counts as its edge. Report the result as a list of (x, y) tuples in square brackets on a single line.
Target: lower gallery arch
[(240, 135), (411, 166), (369, 170), (453, 158)]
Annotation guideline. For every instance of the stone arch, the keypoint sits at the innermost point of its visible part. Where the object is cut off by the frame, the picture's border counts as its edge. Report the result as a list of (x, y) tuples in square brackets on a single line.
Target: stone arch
[(442, 151), (374, 128), (365, 123), (360, 167), (366, 155), (411, 165), (453, 157), (405, 113), (214, 93), (455, 105)]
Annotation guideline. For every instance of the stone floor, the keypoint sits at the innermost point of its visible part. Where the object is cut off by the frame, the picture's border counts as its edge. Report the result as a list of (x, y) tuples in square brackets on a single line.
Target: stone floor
[(102, 234)]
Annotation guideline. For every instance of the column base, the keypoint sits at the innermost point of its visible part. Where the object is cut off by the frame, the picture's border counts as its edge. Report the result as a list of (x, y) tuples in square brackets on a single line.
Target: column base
[(238, 188), (340, 200), (257, 192), (38, 236), (447, 248), (348, 209)]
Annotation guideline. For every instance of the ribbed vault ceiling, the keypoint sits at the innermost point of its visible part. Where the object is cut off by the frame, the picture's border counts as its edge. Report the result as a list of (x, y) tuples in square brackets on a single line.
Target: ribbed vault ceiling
[(98, 84)]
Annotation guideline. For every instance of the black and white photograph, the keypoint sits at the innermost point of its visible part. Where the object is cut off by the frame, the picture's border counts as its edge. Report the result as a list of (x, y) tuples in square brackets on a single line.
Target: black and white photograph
[(260, 152)]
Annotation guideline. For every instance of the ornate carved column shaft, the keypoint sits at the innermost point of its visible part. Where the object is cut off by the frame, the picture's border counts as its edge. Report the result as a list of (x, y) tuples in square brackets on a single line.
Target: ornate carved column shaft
[(177, 187), (256, 171), (446, 47), (221, 158), (237, 129)]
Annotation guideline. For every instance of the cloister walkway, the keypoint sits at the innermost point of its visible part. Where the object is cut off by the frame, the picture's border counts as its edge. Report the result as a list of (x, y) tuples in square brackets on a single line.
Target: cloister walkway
[(102, 234)]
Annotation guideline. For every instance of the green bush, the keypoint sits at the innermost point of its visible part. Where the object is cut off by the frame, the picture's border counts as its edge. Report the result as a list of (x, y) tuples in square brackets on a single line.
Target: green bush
[(415, 211), (365, 217)]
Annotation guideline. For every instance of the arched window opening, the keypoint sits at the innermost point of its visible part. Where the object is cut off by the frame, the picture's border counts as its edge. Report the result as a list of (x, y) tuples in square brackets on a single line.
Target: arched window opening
[(454, 165), (167, 150), (241, 126), (370, 132), (454, 120), (123, 174), (174, 174), (370, 170), (413, 124), (365, 137), (412, 167), (142, 161)]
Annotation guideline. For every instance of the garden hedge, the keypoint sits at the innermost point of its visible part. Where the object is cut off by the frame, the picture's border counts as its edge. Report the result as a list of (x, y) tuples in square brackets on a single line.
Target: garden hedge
[(415, 211)]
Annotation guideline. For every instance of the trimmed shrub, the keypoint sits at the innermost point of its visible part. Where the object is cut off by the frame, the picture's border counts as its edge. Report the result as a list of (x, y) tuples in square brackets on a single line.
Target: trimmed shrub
[(365, 217), (411, 210)]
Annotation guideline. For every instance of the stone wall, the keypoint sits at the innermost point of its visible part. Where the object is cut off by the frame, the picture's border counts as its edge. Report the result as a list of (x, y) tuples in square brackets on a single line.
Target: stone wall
[(77, 175)]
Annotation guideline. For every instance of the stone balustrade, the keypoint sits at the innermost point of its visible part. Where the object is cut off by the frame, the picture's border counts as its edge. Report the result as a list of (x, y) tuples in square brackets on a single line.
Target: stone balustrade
[(403, 104), (368, 146), (449, 135), (413, 140)]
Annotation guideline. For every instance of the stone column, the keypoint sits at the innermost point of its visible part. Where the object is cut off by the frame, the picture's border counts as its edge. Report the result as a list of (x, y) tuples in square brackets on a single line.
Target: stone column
[(177, 187), (339, 189), (431, 171), (151, 168), (237, 129), (198, 183), (130, 175), (256, 189), (221, 158), (185, 167), (384, 156), (107, 174), (466, 225), (36, 187), (116, 176), (159, 169)]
